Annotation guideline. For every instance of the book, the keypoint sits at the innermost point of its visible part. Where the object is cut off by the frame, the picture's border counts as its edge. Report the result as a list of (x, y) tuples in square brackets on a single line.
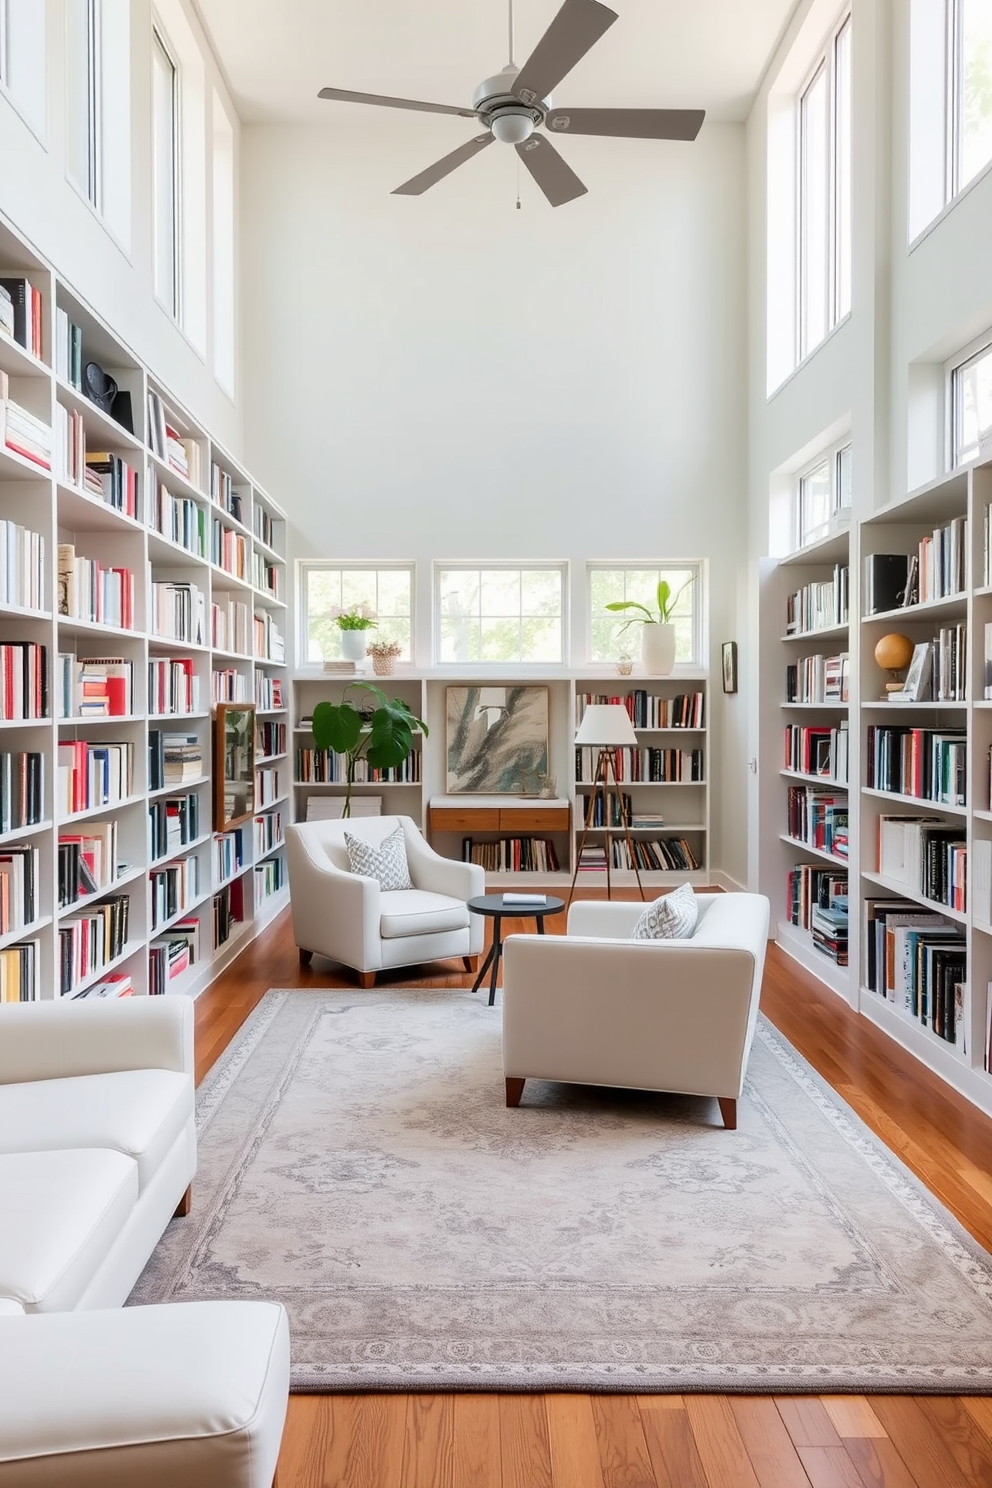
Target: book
[(885, 581), (510, 897)]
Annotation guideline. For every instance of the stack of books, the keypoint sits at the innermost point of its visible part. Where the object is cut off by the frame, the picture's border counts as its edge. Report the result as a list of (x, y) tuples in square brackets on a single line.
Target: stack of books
[(19, 972), (179, 612), (23, 680), (68, 350), (339, 668), (181, 519), (173, 953), (173, 686), (22, 567), (95, 686), (22, 790), (88, 591), (23, 432), (23, 319)]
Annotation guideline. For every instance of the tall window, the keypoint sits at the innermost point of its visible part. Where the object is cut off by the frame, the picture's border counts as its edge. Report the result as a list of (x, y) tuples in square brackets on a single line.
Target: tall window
[(969, 90), (824, 192), (165, 172), (823, 491), (83, 96), (98, 106), (500, 614), (223, 246), (612, 584), (971, 402), (327, 590)]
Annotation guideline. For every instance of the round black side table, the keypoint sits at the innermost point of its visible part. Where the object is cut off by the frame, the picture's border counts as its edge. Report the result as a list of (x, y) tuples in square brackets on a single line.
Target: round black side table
[(493, 905)]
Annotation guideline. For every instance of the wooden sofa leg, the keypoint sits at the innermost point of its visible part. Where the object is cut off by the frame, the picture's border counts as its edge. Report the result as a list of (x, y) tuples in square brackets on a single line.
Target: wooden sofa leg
[(366, 979), (728, 1110), (185, 1204), (305, 957), (514, 1090), (470, 963)]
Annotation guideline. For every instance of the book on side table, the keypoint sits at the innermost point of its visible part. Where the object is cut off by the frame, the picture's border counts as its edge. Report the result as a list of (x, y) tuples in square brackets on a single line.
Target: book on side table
[(522, 899)]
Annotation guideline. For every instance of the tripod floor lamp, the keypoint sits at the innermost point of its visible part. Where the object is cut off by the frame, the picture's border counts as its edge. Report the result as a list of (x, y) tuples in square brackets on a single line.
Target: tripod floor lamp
[(606, 727)]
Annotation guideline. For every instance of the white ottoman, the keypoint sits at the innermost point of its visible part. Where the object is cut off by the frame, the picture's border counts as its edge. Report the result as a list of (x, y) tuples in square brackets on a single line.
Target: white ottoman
[(190, 1395)]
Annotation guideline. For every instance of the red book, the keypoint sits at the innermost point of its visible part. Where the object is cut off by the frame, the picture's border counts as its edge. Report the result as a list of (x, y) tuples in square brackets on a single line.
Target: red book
[(117, 696)]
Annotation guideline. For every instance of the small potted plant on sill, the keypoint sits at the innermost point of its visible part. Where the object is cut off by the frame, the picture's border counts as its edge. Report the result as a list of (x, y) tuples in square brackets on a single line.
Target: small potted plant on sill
[(383, 735), (383, 654), (657, 630), (354, 622)]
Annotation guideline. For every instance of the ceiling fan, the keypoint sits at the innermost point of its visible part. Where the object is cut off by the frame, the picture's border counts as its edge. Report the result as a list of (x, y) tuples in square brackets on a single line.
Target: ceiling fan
[(517, 101)]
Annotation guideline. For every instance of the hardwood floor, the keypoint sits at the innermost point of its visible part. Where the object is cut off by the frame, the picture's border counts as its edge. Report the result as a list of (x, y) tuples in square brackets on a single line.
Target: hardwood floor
[(663, 1441)]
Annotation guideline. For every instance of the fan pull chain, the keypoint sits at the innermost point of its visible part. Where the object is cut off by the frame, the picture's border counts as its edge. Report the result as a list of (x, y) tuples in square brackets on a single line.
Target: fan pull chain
[(518, 183)]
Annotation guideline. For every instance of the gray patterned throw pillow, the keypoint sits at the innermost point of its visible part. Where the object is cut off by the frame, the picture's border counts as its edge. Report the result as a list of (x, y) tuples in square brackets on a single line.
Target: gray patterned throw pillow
[(672, 917), (387, 862)]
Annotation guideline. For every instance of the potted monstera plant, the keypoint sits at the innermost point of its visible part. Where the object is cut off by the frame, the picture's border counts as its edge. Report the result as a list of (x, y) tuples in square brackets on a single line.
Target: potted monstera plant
[(381, 733), (657, 630)]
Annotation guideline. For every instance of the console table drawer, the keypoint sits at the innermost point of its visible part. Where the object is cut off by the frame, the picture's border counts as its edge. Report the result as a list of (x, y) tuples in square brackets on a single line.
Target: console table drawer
[(464, 819), (534, 819)]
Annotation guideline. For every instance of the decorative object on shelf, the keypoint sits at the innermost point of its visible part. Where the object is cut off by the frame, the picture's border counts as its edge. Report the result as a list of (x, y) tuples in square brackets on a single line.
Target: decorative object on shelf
[(383, 654), (383, 736), (234, 764), (657, 630), (893, 653), (549, 788), (916, 688), (625, 664), (497, 739), (606, 726), (353, 621), (730, 666), (99, 387)]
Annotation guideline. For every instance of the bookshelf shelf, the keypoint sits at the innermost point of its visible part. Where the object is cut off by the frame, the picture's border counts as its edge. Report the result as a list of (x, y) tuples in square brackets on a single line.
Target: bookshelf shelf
[(823, 780), (930, 609), (816, 852), (920, 803), (62, 509), (827, 633)]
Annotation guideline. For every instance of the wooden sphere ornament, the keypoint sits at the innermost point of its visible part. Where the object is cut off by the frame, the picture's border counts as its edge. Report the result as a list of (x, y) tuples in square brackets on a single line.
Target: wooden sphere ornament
[(893, 653)]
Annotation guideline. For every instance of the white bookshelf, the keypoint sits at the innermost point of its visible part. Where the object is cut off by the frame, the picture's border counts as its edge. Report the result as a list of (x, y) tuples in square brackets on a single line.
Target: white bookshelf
[(685, 805), (63, 511), (897, 527)]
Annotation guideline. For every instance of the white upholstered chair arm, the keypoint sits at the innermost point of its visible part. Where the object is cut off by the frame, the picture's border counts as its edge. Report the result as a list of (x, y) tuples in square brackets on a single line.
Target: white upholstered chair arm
[(347, 918), (612, 919), (52, 1040), (439, 875), (656, 1015)]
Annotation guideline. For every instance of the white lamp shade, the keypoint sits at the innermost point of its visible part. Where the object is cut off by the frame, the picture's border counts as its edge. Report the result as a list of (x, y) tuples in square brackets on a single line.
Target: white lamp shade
[(607, 725)]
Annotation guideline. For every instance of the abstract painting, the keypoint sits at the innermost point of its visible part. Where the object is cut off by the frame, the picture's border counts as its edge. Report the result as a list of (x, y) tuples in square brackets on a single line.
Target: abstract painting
[(497, 739)]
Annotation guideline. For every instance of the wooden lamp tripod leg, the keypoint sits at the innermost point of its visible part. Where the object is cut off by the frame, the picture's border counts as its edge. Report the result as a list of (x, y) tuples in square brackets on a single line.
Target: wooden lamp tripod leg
[(598, 783), (624, 822)]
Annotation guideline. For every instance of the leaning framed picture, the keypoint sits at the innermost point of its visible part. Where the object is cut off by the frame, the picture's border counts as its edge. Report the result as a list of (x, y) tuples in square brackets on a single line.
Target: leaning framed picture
[(730, 666), (234, 764), (916, 688), (496, 740)]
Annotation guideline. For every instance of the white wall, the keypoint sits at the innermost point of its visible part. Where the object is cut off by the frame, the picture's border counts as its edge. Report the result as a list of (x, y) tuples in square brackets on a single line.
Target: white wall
[(38, 200), (449, 377)]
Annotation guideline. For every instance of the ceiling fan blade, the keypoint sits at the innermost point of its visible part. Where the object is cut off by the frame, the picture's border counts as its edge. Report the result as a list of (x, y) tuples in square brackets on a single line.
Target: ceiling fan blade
[(577, 27), (342, 95), (552, 173), (441, 168), (671, 124)]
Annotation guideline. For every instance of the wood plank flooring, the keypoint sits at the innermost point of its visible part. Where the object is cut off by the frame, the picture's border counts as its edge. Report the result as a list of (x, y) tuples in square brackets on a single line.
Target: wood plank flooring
[(663, 1441)]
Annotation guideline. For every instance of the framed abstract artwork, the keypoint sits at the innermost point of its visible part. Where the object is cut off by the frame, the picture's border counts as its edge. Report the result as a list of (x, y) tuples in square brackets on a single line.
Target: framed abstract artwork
[(496, 740), (730, 666)]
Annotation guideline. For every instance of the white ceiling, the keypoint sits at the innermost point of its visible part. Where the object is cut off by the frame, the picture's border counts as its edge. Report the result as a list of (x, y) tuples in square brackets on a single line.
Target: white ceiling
[(660, 53)]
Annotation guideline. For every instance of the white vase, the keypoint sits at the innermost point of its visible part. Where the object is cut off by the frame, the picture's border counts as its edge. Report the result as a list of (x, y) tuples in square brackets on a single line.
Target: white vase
[(353, 643), (657, 648)]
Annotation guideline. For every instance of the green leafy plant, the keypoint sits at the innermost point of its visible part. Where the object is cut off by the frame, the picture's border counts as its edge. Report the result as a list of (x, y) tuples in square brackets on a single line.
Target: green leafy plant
[(666, 605), (383, 735), (355, 617)]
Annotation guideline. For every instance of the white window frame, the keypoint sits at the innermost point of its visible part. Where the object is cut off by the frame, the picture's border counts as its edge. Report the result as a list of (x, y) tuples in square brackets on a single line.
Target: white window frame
[(160, 37), (508, 565), (91, 190), (831, 456), (306, 566), (975, 351), (954, 104), (825, 62), (663, 565)]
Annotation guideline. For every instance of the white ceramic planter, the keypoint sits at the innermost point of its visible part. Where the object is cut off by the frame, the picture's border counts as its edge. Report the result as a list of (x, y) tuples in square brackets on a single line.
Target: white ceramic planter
[(353, 643), (658, 649)]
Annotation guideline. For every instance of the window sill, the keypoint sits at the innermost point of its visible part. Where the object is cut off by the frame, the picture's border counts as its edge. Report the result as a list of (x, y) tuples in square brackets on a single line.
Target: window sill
[(844, 320), (941, 216)]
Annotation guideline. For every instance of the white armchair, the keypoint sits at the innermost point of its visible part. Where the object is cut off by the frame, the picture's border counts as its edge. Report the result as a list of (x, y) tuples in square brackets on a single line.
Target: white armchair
[(594, 1007), (349, 918)]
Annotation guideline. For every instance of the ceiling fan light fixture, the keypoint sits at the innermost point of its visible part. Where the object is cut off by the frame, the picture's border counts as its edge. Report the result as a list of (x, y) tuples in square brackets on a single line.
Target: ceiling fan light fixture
[(513, 128)]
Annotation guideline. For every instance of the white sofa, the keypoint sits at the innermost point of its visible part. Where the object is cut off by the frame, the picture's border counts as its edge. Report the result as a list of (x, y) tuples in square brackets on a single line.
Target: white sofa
[(594, 1007), (97, 1152), (350, 919)]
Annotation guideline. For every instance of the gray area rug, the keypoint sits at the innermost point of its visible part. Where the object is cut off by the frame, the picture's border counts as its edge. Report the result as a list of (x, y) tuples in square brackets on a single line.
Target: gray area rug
[(357, 1161)]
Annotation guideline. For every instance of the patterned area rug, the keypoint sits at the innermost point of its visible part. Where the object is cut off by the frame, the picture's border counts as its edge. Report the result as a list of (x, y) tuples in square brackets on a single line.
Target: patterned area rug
[(357, 1161)]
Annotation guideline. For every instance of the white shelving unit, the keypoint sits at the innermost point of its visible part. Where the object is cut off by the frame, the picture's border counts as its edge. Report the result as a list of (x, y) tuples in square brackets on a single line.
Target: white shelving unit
[(63, 511), (685, 805), (897, 527)]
